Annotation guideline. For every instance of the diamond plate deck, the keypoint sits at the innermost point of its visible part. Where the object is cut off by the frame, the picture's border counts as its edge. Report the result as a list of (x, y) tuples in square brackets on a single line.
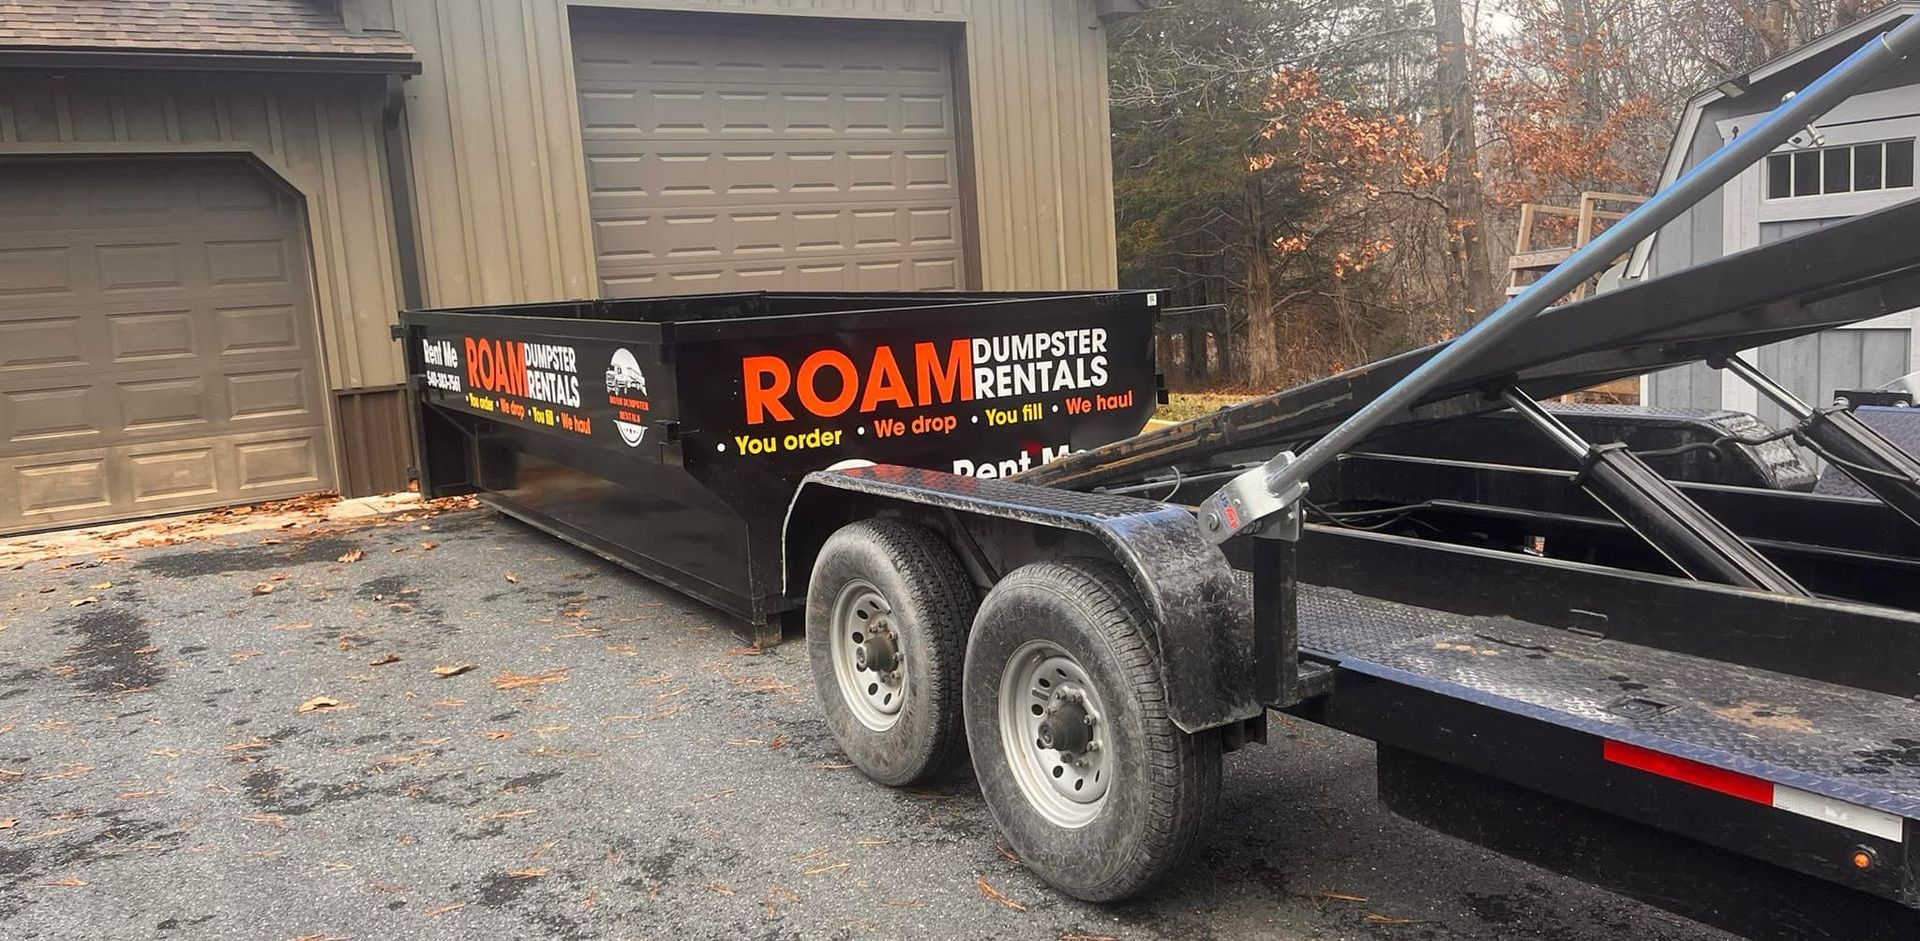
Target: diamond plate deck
[(1843, 743)]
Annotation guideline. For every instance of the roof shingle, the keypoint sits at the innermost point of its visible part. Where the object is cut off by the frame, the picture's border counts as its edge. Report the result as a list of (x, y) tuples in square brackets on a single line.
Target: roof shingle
[(216, 27)]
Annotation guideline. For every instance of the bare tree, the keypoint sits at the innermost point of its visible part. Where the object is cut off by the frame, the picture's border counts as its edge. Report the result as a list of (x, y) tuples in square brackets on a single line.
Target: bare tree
[(1472, 271)]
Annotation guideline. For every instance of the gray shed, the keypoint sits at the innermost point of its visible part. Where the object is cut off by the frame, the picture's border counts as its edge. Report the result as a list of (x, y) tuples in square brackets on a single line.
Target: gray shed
[(1857, 159)]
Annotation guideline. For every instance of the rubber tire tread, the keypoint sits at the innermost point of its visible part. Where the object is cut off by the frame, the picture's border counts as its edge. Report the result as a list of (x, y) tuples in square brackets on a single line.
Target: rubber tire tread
[(1181, 771), (934, 603)]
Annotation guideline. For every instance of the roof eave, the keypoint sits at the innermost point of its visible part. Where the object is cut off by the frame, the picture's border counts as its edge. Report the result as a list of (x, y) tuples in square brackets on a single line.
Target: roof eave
[(194, 61), (1880, 20)]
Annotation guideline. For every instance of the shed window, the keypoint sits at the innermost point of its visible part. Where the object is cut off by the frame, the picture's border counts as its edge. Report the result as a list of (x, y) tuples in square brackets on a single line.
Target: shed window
[(1855, 168)]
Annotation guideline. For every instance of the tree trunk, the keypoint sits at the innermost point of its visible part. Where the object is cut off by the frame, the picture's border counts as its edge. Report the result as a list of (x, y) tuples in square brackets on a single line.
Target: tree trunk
[(1266, 353), (1470, 276)]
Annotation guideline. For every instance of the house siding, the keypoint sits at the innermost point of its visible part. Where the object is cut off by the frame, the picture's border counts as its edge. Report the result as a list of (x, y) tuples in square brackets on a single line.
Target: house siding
[(1812, 367), (503, 214)]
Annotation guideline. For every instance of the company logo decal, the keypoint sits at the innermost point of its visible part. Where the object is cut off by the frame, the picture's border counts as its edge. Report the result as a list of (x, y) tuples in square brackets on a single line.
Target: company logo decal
[(627, 393)]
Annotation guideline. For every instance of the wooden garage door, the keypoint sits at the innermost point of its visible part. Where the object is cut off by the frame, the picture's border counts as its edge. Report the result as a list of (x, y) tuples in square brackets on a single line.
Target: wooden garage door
[(157, 346), (785, 153)]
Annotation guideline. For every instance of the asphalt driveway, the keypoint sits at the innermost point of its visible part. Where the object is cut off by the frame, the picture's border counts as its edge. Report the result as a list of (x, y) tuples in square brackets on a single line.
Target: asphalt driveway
[(609, 764)]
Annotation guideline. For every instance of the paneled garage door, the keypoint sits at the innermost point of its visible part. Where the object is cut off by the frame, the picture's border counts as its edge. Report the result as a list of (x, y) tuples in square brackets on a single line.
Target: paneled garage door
[(157, 347), (785, 153)]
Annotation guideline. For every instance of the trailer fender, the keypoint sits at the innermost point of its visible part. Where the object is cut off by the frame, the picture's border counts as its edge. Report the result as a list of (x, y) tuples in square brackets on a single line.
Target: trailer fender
[(1202, 624)]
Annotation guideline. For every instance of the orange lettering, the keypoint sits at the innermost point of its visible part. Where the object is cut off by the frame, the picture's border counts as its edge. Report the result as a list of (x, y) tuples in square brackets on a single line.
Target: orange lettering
[(956, 380), (885, 383), (809, 389), (766, 383), (473, 365)]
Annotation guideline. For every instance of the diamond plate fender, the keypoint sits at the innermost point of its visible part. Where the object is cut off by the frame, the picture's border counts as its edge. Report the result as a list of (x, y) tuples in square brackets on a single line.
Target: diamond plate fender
[(1202, 627)]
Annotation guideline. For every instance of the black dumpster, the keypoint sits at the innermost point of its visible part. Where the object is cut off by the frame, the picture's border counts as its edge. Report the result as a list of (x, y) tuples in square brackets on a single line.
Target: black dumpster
[(668, 434)]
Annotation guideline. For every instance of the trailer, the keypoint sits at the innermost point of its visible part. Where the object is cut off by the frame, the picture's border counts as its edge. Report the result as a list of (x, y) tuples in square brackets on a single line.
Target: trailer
[(1701, 691), (1700, 688)]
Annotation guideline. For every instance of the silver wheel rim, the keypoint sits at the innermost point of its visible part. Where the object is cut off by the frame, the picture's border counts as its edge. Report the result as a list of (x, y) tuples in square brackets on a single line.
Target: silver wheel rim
[(869, 660), (1053, 728)]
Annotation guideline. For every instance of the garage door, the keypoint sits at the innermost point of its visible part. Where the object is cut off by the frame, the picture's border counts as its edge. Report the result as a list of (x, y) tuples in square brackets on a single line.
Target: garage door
[(784, 153), (157, 348)]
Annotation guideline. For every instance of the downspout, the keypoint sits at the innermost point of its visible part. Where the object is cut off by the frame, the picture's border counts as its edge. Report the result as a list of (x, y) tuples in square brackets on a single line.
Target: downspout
[(400, 193), (393, 138)]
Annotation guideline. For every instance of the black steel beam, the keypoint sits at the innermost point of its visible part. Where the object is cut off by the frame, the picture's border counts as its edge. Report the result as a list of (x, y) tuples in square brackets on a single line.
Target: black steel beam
[(1853, 271)]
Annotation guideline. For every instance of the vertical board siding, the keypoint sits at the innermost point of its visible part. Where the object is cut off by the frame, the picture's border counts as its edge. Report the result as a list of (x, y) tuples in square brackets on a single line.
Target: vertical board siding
[(321, 135), (500, 176), (1815, 367)]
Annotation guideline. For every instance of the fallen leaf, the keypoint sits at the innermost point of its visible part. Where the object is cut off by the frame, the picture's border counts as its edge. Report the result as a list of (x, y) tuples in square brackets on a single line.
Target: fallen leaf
[(1389, 920), (9, 823), (77, 602), (817, 870), (512, 578), (264, 588), (69, 882), (446, 909), (136, 795), (498, 735), (511, 680), (720, 887), (383, 661), (593, 895), (528, 873), (452, 670), (245, 655), (429, 545), (320, 704), (102, 586), (994, 894), (351, 556)]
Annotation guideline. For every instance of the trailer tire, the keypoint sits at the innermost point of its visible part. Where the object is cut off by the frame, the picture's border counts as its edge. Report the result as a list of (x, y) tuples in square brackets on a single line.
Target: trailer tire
[(906, 581), (1067, 644)]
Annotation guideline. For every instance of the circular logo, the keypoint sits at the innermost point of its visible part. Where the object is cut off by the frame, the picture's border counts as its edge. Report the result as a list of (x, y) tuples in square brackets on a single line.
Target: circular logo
[(626, 392)]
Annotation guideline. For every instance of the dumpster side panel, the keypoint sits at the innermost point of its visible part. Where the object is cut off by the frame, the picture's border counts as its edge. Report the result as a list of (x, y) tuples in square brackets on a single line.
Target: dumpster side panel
[(675, 446), (977, 389), (569, 425)]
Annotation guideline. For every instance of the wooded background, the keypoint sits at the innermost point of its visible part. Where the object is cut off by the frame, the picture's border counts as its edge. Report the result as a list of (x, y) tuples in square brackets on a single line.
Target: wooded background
[(1338, 180)]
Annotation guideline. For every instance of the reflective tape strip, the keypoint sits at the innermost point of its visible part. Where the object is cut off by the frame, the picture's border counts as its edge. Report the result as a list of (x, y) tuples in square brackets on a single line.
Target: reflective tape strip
[(1852, 816), (1746, 787)]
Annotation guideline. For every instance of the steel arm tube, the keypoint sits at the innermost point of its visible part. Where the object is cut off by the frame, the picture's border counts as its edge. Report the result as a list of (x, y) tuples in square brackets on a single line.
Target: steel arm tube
[(1259, 494)]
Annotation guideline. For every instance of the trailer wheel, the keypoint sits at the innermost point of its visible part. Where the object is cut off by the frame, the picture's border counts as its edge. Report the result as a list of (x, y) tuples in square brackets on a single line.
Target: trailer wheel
[(887, 614), (1096, 789)]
